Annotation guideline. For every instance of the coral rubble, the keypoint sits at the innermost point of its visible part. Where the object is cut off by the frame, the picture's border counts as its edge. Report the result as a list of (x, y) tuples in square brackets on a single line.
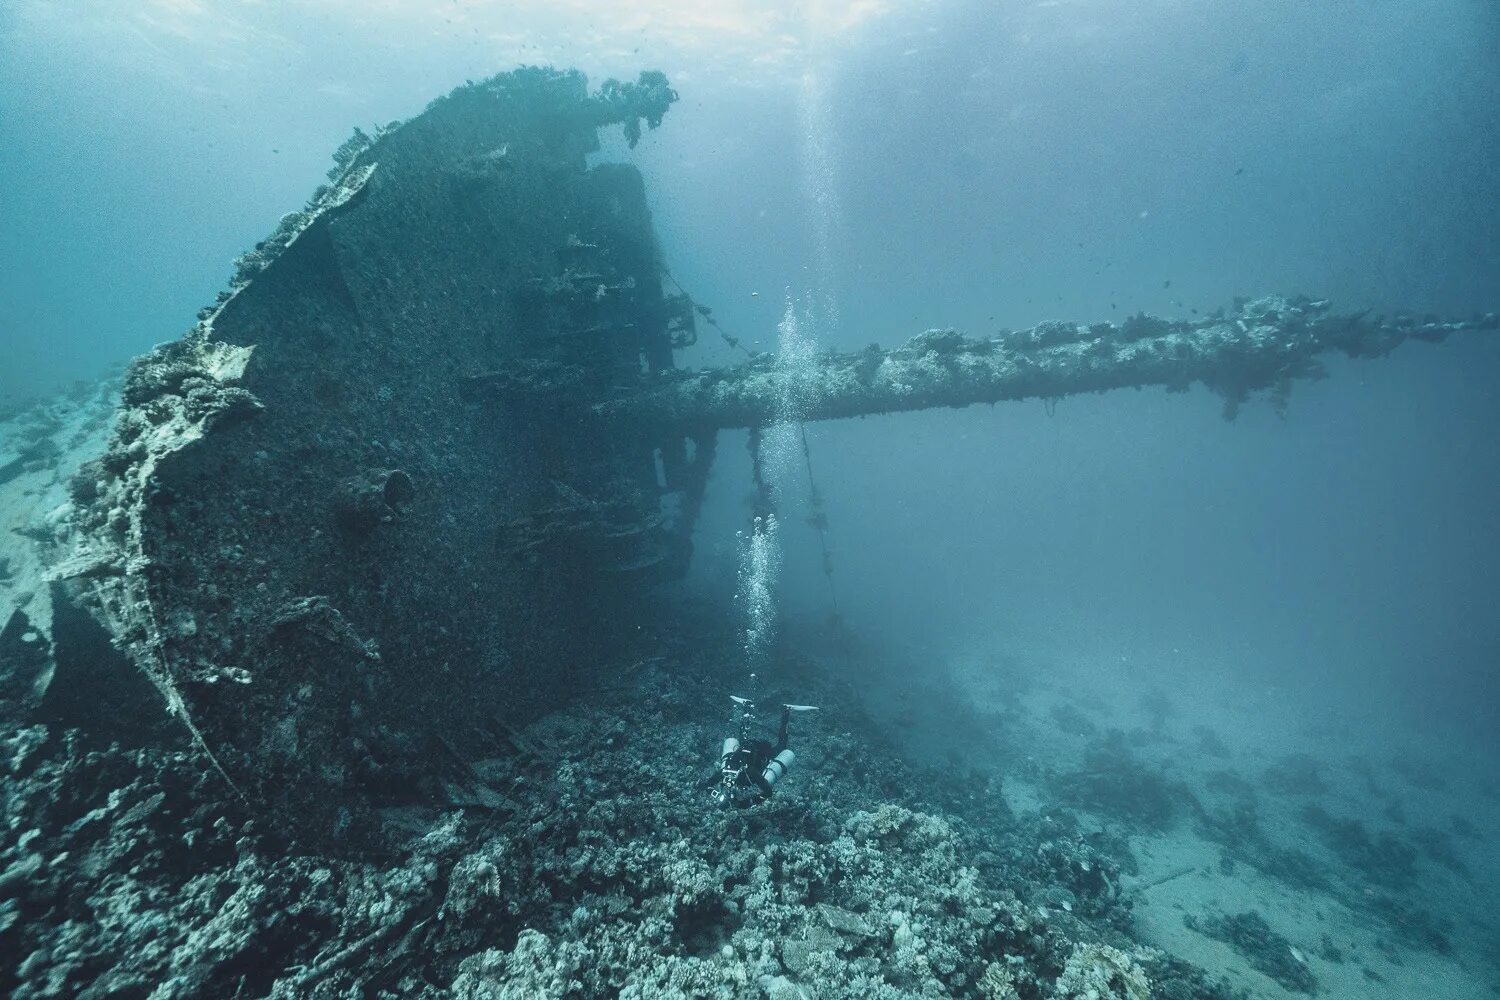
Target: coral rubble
[(592, 868)]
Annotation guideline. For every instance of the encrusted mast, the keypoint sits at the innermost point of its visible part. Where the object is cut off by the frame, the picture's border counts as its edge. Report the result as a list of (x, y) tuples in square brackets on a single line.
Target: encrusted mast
[(1264, 345)]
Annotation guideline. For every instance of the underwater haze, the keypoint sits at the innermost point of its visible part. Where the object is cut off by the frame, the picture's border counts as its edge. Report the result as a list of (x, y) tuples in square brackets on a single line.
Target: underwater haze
[(1121, 693)]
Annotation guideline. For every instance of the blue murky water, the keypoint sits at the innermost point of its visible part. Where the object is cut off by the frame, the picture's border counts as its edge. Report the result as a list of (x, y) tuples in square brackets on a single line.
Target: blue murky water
[(1283, 626)]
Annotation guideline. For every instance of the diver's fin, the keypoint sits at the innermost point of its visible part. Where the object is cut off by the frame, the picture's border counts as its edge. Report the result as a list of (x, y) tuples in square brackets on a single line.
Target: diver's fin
[(738, 700), (800, 708)]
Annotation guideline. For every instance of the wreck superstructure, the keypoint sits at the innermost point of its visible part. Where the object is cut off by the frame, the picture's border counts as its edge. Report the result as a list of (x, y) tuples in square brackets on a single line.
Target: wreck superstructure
[(307, 534), (422, 458)]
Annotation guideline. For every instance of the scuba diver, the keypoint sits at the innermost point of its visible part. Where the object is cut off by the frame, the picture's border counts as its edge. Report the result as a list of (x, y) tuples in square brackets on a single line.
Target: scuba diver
[(749, 769)]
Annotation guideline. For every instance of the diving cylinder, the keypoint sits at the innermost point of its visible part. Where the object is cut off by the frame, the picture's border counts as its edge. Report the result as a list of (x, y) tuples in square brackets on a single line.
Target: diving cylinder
[(777, 767), (731, 745)]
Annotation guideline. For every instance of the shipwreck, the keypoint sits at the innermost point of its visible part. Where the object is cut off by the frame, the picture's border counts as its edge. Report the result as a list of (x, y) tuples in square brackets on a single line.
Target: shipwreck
[(431, 446)]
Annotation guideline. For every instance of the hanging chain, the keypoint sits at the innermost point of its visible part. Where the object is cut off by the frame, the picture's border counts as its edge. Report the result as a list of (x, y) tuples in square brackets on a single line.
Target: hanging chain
[(819, 521), (707, 315)]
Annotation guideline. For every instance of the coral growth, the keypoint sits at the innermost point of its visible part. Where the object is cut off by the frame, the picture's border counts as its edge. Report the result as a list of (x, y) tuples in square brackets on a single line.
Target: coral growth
[(589, 873), (1099, 972)]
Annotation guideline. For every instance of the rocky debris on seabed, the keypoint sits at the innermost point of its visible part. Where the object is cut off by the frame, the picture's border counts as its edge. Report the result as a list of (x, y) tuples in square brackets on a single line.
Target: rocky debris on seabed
[(1269, 952), (594, 866), (1116, 782), (1385, 875)]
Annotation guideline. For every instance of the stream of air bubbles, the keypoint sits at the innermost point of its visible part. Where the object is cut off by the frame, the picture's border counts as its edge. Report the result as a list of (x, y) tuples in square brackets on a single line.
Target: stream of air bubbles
[(782, 447)]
